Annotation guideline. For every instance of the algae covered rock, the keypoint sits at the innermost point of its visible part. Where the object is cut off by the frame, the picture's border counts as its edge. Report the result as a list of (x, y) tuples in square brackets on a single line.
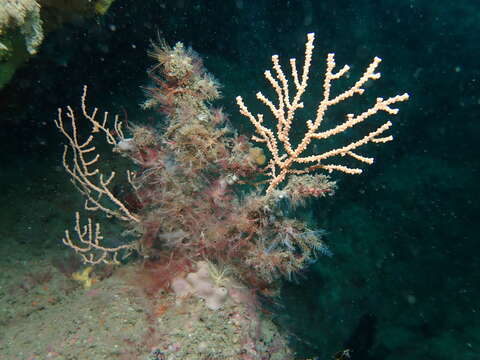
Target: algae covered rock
[(21, 33), (24, 23)]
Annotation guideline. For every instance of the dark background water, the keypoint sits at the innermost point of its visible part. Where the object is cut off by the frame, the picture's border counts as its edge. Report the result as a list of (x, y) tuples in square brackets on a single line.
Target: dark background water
[(404, 281)]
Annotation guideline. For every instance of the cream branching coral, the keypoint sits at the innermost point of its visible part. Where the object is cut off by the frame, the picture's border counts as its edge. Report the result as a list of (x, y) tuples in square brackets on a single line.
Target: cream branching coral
[(288, 159), (80, 160)]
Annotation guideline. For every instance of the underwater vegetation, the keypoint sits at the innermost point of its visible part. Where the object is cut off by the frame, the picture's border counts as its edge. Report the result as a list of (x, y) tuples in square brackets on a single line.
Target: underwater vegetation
[(199, 192)]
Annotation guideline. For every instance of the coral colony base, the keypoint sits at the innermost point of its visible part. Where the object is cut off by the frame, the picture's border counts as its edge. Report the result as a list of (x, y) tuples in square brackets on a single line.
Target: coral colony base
[(211, 212)]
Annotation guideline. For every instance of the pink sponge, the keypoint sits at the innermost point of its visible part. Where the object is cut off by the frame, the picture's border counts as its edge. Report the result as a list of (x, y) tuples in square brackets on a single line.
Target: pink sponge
[(201, 284)]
